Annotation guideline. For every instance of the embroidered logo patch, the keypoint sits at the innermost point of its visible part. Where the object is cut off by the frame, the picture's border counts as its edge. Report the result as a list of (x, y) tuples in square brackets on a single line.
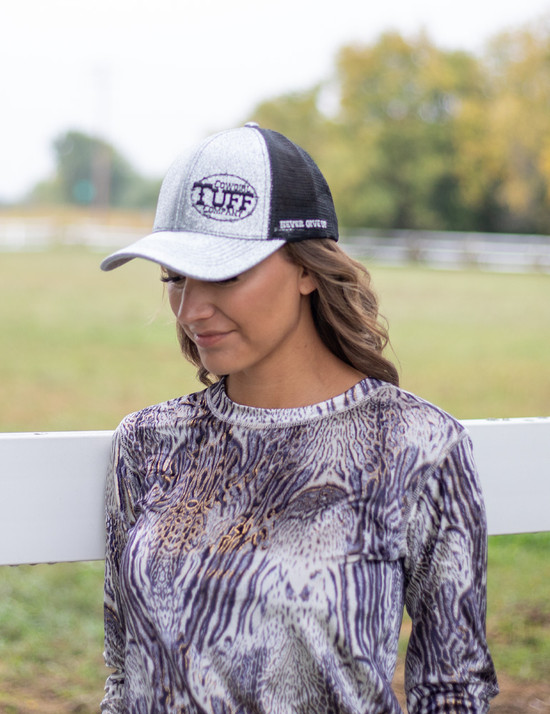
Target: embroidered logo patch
[(224, 197)]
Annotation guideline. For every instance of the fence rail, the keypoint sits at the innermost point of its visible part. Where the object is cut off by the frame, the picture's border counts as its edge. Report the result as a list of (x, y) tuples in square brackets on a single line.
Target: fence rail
[(442, 249), (52, 484), (454, 250)]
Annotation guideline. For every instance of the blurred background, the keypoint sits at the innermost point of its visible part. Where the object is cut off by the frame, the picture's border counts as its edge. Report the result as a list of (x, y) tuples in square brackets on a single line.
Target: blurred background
[(431, 125)]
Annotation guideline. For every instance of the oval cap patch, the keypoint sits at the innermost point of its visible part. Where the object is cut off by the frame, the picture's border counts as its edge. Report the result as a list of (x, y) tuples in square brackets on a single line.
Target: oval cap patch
[(224, 197)]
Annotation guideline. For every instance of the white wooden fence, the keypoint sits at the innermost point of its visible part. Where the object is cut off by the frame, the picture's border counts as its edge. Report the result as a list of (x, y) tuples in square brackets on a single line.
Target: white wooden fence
[(51, 487), (442, 249)]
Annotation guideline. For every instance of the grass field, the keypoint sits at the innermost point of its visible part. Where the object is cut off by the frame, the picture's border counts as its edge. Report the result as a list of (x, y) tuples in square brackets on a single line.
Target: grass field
[(81, 348)]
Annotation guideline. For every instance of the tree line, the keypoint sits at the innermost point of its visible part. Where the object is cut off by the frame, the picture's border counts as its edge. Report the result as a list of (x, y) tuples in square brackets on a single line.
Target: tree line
[(419, 137), (409, 135)]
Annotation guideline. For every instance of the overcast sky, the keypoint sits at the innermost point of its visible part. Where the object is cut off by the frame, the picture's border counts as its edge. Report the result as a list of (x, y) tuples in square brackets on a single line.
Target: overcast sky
[(155, 76)]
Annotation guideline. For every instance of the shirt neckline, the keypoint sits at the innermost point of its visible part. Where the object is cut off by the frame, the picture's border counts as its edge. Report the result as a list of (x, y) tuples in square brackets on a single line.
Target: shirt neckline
[(227, 410)]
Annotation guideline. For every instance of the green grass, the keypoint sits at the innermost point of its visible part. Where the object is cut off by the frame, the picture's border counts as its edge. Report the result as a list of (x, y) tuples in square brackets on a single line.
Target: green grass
[(518, 621), (81, 348), (475, 343)]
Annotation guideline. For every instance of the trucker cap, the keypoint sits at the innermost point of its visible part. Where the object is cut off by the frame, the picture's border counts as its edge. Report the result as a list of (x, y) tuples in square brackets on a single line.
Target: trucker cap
[(241, 195)]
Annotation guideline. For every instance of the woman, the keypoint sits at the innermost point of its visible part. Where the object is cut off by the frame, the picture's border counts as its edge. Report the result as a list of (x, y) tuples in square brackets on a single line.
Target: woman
[(264, 535)]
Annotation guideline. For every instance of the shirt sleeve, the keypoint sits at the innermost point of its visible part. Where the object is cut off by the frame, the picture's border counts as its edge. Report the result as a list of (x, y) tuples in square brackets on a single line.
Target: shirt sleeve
[(120, 496), (448, 665)]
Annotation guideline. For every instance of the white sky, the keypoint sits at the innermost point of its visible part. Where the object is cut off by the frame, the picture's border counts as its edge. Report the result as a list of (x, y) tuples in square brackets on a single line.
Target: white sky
[(155, 76)]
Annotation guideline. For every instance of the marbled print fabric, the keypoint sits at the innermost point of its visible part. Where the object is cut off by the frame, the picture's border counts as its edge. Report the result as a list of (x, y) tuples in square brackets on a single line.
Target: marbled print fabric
[(258, 561)]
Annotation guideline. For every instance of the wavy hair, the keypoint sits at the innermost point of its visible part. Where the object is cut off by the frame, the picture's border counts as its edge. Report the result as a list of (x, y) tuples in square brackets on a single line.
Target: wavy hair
[(344, 309)]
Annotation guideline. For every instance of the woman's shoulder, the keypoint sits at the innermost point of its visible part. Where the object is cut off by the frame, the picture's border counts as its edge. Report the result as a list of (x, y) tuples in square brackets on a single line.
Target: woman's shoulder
[(410, 418), (171, 414), (416, 440)]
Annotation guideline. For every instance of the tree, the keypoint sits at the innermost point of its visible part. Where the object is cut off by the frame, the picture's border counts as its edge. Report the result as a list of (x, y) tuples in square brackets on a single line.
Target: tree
[(388, 150), (400, 100), (426, 138), (517, 122), (89, 171)]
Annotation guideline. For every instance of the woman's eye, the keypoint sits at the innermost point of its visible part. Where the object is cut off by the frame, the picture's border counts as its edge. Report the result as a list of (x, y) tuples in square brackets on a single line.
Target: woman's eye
[(173, 279), (179, 280)]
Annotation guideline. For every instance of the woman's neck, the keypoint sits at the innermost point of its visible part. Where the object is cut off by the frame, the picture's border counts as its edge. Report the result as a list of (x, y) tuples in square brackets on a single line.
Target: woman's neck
[(321, 377)]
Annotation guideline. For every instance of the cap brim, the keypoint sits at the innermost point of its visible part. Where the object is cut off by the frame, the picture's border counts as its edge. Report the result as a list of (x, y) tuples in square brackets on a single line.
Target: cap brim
[(196, 255)]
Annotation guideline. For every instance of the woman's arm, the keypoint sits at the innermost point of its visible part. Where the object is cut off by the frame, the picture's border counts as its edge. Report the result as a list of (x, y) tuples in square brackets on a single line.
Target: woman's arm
[(448, 666), (119, 500)]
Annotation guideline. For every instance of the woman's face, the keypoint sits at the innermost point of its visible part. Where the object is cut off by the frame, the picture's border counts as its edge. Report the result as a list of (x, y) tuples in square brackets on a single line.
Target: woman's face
[(250, 324)]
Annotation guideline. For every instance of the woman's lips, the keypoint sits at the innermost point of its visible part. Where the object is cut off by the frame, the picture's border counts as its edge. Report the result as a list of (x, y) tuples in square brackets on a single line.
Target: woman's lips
[(209, 339)]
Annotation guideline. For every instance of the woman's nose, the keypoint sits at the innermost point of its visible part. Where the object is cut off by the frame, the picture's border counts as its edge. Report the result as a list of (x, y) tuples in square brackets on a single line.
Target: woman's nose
[(192, 302)]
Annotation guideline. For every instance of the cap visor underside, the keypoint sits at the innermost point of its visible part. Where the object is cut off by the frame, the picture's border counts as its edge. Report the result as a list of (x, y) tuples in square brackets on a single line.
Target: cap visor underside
[(196, 255)]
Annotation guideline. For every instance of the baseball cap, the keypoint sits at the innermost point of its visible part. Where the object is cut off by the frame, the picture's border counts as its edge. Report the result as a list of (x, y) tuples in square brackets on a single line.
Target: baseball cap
[(240, 196)]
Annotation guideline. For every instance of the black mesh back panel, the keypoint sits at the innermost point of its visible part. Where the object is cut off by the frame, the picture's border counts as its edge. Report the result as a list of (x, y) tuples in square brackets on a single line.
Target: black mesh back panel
[(302, 205)]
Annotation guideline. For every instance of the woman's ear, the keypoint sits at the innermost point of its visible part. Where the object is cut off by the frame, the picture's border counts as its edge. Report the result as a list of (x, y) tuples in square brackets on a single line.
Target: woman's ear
[(307, 283)]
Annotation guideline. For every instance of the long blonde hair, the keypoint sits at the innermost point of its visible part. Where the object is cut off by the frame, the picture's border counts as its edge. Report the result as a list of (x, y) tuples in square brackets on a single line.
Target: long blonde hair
[(344, 308)]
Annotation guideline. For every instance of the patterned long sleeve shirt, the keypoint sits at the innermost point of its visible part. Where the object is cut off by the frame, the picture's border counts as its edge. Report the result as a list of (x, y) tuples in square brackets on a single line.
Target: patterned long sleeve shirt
[(259, 560)]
